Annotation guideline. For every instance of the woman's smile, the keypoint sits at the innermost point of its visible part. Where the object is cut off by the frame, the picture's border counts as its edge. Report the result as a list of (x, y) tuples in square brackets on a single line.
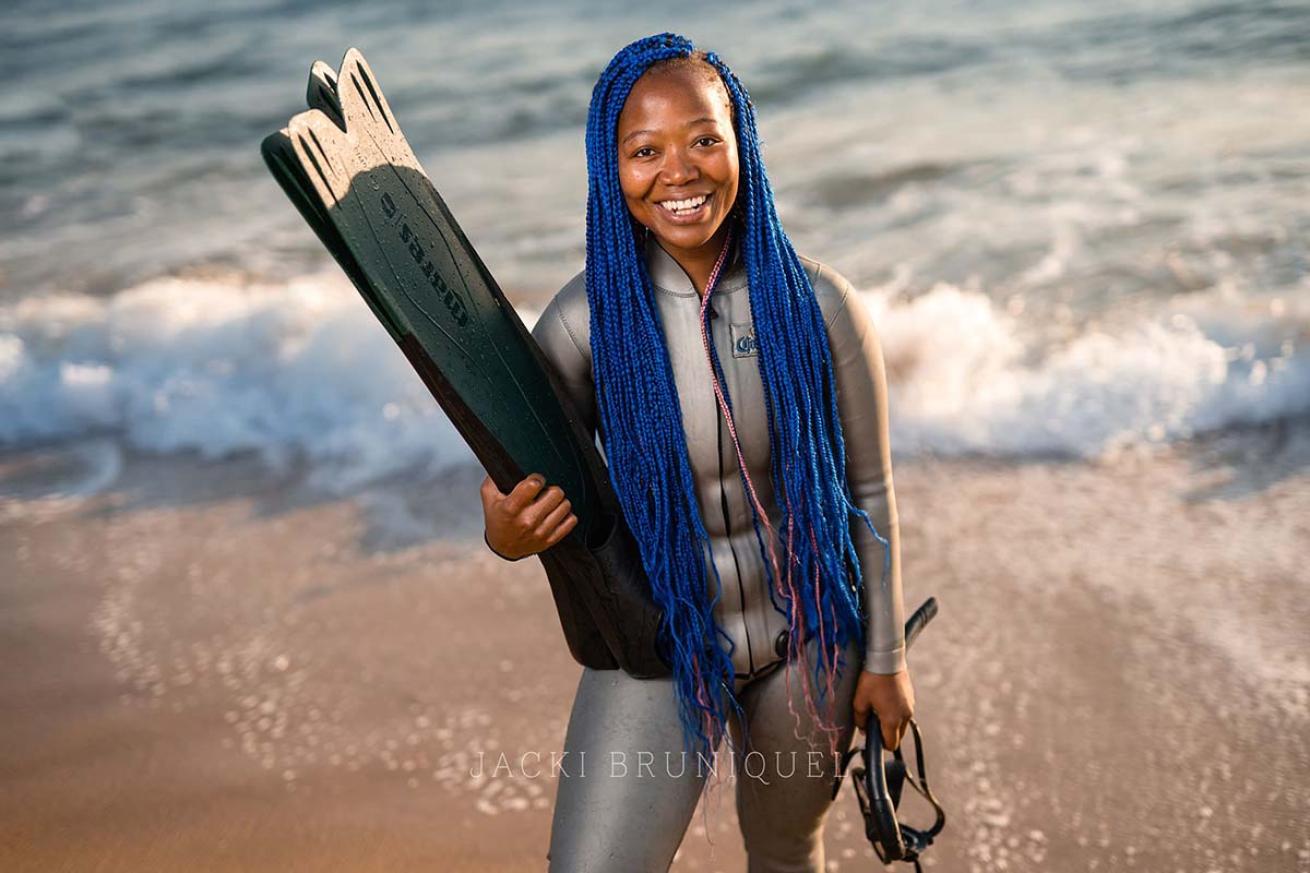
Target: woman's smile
[(687, 210)]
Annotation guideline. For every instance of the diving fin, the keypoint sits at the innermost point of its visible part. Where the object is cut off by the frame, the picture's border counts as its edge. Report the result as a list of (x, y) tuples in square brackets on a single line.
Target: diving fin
[(348, 169), (321, 93)]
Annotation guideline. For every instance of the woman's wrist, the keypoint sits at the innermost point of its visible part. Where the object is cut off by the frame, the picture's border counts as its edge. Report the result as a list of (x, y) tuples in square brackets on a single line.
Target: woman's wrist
[(885, 663)]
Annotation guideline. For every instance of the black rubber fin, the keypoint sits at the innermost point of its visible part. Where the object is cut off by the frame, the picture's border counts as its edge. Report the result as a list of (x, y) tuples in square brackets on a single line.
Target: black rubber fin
[(361, 189)]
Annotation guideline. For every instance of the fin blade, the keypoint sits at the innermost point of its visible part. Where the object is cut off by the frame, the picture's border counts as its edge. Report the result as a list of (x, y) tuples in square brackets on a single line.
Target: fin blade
[(321, 93), (358, 70), (325, 152), (367, 112)]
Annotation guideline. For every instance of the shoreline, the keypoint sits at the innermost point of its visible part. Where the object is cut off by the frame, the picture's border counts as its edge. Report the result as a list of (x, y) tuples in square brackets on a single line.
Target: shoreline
[(215, 668)]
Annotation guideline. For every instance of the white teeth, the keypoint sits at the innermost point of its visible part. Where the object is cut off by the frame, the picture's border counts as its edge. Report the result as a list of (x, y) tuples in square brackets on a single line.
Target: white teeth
[(688, 205)]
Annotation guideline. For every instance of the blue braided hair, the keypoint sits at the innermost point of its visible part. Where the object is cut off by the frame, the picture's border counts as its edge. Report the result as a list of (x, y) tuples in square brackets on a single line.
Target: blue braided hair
[(641, 421)]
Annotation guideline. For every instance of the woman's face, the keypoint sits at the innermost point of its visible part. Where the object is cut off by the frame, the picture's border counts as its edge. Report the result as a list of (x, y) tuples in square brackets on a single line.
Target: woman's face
[(678, 157)]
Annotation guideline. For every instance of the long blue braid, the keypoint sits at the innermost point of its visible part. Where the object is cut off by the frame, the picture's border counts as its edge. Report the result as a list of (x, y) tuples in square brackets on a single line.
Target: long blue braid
[(641, 419)]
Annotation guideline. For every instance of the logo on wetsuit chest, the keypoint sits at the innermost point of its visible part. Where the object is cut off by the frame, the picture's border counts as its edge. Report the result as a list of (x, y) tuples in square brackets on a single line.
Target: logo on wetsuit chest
[(744, 344)]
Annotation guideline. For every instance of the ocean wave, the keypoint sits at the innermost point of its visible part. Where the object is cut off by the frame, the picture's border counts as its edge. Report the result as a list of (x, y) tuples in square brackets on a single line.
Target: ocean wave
[(301, 371), (295, 372), (963, 380)]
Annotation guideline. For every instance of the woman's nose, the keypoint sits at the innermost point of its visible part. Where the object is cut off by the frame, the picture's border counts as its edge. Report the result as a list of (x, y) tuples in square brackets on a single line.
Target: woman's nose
[(677, 170)]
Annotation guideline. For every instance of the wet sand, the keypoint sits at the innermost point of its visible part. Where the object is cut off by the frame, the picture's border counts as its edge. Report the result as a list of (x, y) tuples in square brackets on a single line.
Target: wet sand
[(211, 667)]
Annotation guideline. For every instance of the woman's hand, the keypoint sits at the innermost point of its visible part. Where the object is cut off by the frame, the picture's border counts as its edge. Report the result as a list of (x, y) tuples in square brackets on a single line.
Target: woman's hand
[(891, 696), (527, 520)]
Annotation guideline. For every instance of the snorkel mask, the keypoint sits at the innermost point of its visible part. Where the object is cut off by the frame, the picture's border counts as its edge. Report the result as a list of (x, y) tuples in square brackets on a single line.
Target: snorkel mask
[(881, 778)]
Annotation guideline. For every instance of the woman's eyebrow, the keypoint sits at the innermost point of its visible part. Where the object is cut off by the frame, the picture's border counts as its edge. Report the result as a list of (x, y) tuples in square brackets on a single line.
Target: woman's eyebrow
[(695, 121)]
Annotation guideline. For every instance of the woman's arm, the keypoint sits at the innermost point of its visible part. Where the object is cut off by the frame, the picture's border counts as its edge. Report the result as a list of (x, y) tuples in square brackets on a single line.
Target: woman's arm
[(884, 686), (563, 331), (862, 405)]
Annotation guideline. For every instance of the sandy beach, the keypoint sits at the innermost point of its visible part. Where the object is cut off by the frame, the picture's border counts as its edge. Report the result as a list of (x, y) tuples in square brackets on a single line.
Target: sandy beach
[(211, 667), (247, 618)]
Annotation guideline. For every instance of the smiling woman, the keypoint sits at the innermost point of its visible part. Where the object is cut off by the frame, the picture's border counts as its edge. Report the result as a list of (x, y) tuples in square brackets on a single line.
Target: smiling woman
[(740, 396), (678, 161)]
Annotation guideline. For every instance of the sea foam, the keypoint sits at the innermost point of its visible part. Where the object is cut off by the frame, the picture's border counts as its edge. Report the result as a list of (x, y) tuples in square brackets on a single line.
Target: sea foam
[(302, 371)]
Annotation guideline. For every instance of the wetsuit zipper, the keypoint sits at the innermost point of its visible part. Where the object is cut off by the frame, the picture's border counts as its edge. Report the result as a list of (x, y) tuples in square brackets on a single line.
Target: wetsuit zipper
[(727, 524)]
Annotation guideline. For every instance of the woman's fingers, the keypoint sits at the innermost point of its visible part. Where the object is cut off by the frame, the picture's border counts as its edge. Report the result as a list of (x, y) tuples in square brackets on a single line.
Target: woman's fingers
[(531, 515), (891, 697), (562, 531), (891, 734), (553, 518), (861, 713), (892, 730), (523, 494), (546, 502), (491, 496)]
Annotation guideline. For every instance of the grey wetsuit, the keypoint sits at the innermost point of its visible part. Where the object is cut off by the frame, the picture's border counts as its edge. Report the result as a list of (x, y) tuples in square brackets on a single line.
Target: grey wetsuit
[(614, 819)]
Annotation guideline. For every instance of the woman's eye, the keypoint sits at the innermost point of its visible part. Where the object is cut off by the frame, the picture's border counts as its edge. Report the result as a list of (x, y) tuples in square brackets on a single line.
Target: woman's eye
[(707, 141), (643, 152)]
